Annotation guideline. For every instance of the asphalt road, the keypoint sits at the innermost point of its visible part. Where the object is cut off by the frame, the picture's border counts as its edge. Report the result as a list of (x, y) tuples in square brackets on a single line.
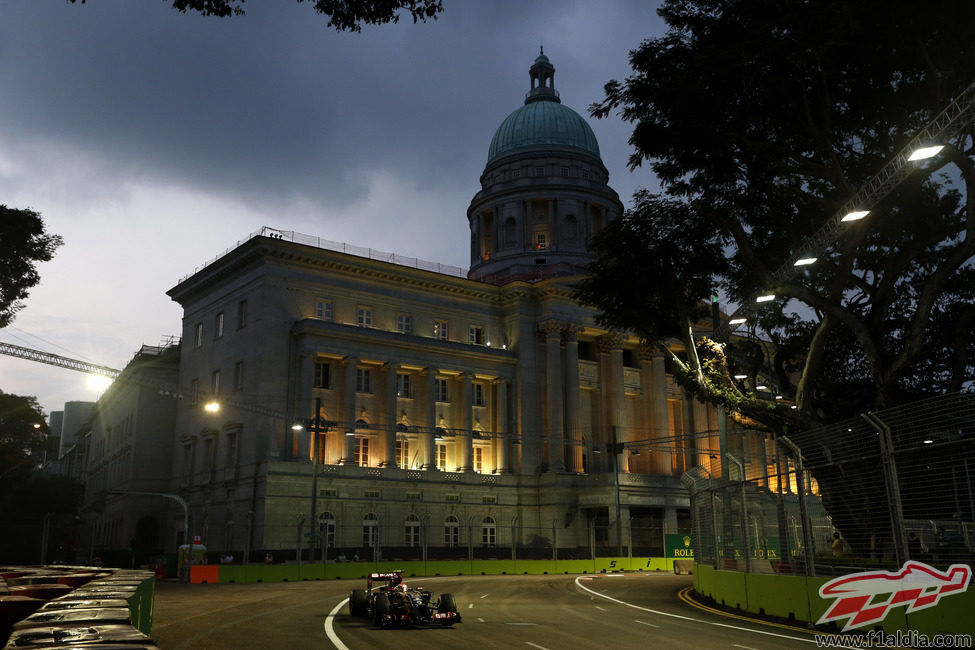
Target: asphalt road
[(555, 612)]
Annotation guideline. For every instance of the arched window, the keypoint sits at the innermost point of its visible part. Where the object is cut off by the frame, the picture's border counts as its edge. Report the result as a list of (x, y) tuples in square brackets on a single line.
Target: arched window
[(370, 529), (326, 528), (510, 232), (412, 531), (451, 531), (488, 532)]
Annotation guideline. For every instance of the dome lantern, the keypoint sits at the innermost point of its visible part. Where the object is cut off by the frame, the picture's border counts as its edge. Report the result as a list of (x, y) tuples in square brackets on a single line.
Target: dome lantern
[(542, 74)]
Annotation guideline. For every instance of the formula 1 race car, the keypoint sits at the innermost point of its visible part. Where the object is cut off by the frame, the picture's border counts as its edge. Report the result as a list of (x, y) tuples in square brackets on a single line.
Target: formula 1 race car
[(392, 604)]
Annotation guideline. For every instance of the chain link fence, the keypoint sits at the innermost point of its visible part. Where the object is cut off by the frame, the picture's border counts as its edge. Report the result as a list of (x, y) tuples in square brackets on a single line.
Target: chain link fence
[(872, 491)]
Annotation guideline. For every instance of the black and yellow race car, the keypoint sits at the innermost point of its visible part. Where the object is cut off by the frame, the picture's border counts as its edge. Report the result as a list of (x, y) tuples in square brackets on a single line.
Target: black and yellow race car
[(388, 602)]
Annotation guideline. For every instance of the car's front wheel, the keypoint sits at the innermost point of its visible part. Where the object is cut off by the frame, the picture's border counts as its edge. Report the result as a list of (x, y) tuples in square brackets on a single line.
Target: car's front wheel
[(381, 609)]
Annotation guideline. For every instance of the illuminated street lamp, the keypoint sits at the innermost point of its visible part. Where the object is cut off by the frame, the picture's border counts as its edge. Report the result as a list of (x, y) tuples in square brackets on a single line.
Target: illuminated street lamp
[(212, 406)]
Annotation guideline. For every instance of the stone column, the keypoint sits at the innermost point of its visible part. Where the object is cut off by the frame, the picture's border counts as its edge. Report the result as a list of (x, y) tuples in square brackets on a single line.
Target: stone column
[(466, 443), (427, 442), (348, 407), (662, 461), (389, 431), (573, 411), (306, 370), (611, 360), (554, 407), (502, 463)]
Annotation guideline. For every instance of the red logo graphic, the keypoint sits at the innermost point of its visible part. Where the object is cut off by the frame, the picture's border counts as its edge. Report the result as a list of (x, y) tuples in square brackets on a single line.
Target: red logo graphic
[(917, 586)]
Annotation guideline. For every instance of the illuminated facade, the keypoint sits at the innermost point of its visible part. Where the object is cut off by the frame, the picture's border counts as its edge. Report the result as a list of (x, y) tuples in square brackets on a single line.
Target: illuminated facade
[(487, 405)]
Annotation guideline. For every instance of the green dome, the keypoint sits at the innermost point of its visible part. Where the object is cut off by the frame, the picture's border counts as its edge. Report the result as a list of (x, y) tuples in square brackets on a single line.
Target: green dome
[(541, 124)]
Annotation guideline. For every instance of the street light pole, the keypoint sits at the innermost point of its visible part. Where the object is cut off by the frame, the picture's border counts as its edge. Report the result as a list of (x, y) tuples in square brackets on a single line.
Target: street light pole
[(314, 477), (615, 449)]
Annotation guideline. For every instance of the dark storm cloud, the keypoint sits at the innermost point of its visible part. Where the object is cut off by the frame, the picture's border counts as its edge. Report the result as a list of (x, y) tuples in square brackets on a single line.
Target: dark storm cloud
[(273, 106)]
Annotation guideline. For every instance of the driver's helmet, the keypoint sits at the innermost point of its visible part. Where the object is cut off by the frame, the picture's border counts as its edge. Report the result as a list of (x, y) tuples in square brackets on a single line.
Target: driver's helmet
[(402, 587)]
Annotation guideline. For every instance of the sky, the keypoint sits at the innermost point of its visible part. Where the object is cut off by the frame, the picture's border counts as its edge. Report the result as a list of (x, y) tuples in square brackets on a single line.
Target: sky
[(152, 141)]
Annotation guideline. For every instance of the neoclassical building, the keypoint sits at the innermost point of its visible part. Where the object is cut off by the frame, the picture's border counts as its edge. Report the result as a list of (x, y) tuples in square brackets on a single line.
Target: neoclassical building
[(401, 406)]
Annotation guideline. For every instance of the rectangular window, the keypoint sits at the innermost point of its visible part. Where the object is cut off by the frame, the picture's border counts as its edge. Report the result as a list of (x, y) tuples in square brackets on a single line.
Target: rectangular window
[(452, 498), (585, 173), (440, 330), (515, 173), (442, 395), (413, 496), (476, 335), (361, 451), (241, 314), (563, 171), (321, 378), (442, 458), (198, 335), (194, 391), (215, 382), (403, 454), (218, 326), (363, 380), (477, 394), (404, 387), (329, 492), (209, 453), (371, 494), (239, 376), (323, 309), (478, 459), (187, 477), (404, 323), (489, 499), (230, 460), (539, 171), (541, 240), (365, 317)]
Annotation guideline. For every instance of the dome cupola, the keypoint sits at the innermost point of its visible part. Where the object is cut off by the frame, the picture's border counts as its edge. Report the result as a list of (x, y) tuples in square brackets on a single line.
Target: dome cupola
[(543, 190)]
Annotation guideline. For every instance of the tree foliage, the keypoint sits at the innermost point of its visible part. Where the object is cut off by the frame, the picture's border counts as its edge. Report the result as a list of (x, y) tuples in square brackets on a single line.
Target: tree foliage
[(343, 15), (23, 243), (23, 439), (761, 119)]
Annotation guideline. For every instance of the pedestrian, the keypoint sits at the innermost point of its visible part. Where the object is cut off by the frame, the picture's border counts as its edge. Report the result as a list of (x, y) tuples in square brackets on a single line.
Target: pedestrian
[(268, 558), (913, 546), (837, 545)]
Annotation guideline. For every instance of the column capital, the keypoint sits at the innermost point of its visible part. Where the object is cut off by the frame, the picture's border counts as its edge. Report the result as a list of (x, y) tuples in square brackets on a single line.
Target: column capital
[(570, 333), (350, 360), (551, 328), (501, 381), (393, 366), (648, 351), (429, 371), (611, 341)]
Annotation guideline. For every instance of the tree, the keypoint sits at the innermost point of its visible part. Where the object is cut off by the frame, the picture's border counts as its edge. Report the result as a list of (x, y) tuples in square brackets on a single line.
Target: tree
[(23, 439), (344, 15), (761, 119), (23, 242)]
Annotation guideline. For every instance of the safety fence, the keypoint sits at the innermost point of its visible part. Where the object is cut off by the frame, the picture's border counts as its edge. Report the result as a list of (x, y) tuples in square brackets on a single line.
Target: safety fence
[(872, 491), (470, 540)]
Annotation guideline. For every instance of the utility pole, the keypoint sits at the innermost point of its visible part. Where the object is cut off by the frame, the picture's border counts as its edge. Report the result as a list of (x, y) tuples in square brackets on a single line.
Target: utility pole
[(313, 528), (615, 449)]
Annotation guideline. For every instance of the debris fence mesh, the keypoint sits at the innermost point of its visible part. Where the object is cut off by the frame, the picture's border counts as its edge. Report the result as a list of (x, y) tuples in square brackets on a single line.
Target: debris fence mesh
[(871, 491)]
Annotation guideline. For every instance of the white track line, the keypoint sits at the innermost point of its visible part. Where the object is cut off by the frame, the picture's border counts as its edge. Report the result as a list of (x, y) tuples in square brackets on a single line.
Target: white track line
[(330, 629), (689, 618)]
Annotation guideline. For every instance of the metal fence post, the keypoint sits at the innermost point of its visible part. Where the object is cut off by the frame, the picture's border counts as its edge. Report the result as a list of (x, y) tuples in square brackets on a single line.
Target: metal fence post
[(744, 514), (807, 540), (889, 468)]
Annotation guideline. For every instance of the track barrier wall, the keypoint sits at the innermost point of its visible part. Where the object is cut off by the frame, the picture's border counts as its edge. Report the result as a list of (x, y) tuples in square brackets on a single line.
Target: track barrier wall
[(357, 570)]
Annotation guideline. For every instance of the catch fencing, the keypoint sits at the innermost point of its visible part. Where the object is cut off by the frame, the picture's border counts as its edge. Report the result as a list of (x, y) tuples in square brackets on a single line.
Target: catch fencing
[(872, 491)]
